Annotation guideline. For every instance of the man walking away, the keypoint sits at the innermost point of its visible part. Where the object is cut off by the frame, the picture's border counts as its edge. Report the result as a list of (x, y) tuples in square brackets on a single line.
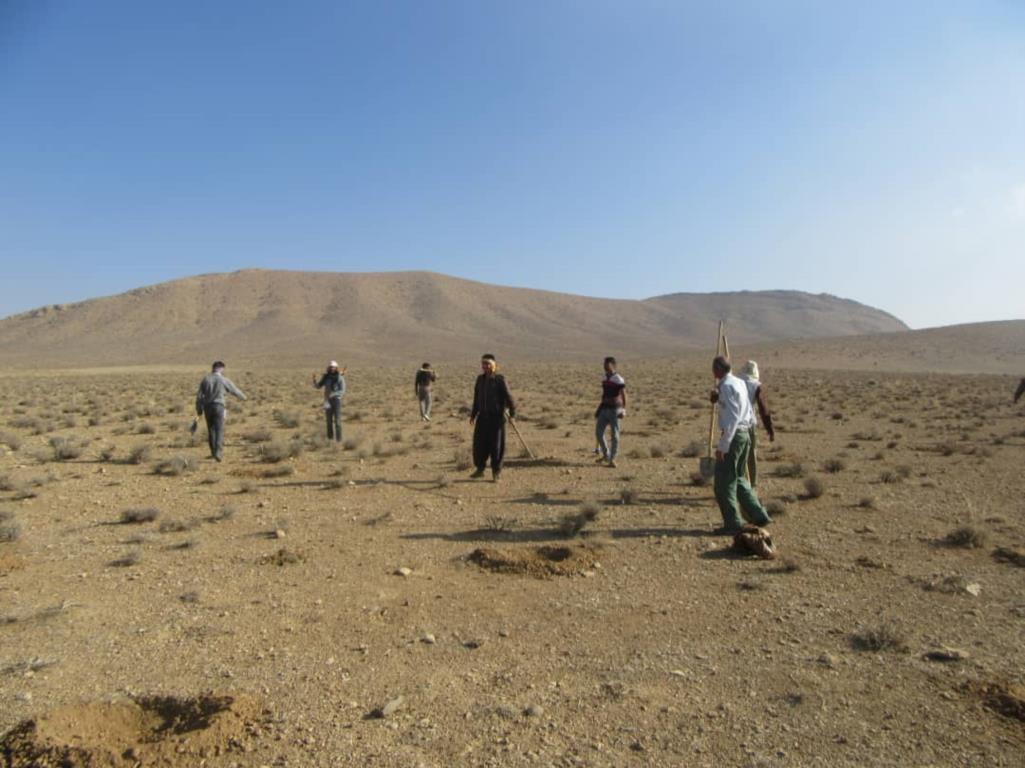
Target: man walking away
[(1020, 392), (735, 421), (491, 399), (762, 414), (333, 384), (611, 409), (210, 403), (422, 385)]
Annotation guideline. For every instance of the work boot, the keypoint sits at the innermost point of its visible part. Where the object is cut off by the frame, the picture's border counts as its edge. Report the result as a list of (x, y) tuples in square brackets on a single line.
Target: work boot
[(601, 460), (496, 475), (612, 463), (478, 473)]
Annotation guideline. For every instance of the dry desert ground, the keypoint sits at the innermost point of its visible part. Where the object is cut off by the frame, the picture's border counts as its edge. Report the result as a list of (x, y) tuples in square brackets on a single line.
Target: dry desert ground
[(312, 604)]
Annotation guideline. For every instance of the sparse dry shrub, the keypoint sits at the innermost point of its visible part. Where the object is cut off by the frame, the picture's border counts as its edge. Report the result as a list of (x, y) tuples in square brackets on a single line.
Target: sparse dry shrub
[(691, 450), (833, 466), (888, 477), (8, 483), (867, 502), (965, 537), (139, 454), (33, 424), (639, 453), (572, 523), (628, 496), (814, 487), (776, 508), (283, 557), (462, 459), (10, 531), (139, 515), (225, 513), (145, 429), (173, 467), (177, 526), (287, 419), (790, 470), (107, 453), (258, 436), (11, 440), (698, 480), (885, 637), (247, 486), (128, 560), (281, 470), (499, 523), (657, 451), (66, 448), (351, 443), (278, 450)]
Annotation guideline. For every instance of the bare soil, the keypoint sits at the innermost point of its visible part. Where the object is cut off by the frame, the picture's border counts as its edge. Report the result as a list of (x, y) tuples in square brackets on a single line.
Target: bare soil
[(313, 604)]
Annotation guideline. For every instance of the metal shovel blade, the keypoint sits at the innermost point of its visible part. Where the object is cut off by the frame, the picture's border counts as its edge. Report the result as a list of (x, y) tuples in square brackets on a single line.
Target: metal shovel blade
[(706, 467)]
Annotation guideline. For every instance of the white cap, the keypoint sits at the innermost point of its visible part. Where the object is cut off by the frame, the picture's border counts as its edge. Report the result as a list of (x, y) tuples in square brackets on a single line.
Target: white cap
[(332, 364)]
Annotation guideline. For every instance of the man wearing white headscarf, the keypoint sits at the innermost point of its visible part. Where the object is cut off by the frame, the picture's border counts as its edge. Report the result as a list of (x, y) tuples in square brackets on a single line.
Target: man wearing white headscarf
[(333, 384), (756, 394)]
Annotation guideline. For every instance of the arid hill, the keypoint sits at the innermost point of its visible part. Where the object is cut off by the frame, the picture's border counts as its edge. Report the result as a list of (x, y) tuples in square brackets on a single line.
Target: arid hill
[(997, 347), (294, 318)]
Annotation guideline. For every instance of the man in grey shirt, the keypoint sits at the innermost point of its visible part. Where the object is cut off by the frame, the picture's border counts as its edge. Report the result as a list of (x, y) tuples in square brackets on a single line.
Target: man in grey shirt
[(210, 403)]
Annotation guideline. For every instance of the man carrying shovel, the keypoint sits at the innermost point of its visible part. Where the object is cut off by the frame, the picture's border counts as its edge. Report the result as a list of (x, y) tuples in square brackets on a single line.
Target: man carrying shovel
[(736, 419), (491, 400)]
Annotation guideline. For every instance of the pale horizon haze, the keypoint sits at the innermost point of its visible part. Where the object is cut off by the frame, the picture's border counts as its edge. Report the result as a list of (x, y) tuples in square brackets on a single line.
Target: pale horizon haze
[(874, 151)]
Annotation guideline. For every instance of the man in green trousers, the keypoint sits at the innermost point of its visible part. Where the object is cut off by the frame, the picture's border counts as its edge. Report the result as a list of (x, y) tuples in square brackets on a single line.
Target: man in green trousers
[(736, 419)]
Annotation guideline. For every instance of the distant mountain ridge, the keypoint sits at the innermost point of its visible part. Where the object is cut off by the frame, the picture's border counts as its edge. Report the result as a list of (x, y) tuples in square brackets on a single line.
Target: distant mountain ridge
[(284, 318)]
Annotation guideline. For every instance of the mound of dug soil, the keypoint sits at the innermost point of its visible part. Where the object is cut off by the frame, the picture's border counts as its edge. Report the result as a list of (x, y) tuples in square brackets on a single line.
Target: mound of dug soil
[(150, 731), (540, 562), (1004, 698)]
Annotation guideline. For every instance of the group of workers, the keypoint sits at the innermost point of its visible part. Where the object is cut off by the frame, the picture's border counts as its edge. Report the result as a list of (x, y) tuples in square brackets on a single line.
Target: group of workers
[(741, 400), (494, 406)]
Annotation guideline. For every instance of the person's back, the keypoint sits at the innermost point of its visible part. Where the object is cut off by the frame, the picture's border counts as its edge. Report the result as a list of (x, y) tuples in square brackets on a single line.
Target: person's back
[(422, 384)]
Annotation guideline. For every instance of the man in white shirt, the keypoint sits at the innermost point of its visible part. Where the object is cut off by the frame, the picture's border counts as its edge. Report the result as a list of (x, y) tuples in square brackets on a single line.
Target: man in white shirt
[(736, 419)]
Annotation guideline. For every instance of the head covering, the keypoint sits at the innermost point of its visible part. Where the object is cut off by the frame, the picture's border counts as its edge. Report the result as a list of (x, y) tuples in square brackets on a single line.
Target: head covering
[(333, 364), (750, 370)]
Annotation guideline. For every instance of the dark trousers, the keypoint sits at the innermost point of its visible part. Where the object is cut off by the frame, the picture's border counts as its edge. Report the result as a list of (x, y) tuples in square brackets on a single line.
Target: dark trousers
[(489, 442), (214, 415), (333, 414)]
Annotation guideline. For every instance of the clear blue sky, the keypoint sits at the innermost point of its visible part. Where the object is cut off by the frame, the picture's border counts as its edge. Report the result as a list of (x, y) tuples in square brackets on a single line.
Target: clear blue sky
[(874, 150)]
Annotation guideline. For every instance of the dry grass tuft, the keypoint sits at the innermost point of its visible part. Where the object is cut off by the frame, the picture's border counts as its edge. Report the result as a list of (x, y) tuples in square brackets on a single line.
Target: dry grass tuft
[(965, 537), (572, 523), (814, 488), (885, 637), (139, 515)]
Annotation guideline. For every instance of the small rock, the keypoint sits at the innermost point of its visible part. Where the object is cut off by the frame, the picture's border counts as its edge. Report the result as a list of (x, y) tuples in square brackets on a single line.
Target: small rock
[(827, 660), (973, 589), (279, 534), (534, 710), (389, 708), (945, 654), (428, 639), (404, 572)]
